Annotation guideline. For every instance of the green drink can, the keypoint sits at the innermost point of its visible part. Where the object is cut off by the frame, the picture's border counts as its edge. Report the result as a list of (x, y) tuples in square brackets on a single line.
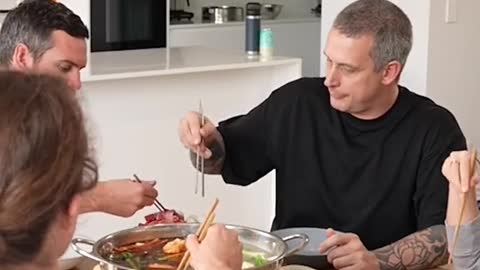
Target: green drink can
[(266, 42)]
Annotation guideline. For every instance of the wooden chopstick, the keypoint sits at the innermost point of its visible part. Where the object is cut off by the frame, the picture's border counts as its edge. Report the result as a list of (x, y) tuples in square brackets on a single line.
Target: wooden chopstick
[(473, 159), (202, 237), (201, 234)]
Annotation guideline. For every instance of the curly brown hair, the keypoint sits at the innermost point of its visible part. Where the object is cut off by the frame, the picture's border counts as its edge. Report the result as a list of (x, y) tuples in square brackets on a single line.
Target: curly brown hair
[(44, 161)]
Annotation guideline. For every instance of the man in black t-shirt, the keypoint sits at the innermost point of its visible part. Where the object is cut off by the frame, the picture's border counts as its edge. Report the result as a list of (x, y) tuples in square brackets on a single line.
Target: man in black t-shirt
[(353, 151)]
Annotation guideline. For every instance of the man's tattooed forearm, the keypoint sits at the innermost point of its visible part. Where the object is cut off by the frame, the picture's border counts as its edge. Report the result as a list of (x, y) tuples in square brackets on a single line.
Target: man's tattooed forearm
[(214, 164), (424, 249)]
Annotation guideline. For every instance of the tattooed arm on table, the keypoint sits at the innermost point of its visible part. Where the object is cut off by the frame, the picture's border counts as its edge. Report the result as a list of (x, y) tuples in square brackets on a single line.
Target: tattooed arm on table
[(421, 250)]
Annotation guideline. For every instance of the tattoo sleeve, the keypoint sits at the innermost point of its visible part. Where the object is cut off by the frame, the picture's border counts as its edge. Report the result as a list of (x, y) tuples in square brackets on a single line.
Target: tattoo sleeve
[(421, 250), (214, 164)]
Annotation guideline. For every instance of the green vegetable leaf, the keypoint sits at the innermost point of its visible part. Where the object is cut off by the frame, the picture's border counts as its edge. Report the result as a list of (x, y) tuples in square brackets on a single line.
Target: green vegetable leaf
[(260, 260), (256, 258), (131, 260)]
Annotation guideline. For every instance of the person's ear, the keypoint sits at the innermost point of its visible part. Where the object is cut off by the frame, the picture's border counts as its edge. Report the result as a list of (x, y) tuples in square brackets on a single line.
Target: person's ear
[(22, 58)]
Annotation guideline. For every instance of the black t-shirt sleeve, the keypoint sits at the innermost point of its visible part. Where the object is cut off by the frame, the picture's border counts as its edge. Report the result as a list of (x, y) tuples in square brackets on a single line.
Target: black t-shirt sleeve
[(245, 138), (246, 144), (252, 140), (431, 194)]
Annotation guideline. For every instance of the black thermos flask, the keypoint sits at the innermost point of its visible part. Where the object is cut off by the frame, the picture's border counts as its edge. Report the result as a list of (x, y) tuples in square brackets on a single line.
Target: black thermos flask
[(252, 29)]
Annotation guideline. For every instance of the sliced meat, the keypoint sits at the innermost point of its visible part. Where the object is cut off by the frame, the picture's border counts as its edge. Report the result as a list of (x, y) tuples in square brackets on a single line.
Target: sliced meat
[(164, 217)]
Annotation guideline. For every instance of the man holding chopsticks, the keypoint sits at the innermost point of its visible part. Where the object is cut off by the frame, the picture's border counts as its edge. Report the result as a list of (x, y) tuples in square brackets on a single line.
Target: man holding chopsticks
[(459, 168), (354, 151)]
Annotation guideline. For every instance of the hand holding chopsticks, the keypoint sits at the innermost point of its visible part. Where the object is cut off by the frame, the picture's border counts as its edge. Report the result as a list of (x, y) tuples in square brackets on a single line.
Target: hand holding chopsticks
[(460, 170), (221, 249), (201, 234), (160, 207), (205, 144)]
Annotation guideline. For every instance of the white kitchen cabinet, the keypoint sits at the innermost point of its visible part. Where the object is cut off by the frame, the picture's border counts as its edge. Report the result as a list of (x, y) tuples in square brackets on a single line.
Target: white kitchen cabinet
[(294, 37)]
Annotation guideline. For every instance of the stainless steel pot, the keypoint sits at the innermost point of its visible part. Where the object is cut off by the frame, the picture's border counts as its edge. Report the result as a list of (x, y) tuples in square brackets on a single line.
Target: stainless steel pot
[(222, 14), (270, 11), (275, 248)]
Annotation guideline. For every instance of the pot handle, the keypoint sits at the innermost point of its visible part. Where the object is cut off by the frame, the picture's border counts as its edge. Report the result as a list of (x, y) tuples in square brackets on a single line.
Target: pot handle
[(90, 255), (304, 241)]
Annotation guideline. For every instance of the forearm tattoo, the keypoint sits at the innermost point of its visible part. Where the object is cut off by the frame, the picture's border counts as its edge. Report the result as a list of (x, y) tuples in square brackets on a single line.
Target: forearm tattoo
[(214, 164), (421, 250)]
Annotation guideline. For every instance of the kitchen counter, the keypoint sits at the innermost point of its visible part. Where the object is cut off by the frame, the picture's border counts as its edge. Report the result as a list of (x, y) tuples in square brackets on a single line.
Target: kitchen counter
[(231, 36), (199, 24), (181, 60)]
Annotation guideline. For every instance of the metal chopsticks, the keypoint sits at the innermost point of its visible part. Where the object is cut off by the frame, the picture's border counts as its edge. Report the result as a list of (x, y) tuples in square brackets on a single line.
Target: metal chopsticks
[(200, 160), (156, 202)]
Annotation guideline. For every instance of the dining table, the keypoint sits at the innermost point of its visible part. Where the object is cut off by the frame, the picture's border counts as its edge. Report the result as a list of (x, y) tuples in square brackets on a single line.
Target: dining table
[(91, 265)]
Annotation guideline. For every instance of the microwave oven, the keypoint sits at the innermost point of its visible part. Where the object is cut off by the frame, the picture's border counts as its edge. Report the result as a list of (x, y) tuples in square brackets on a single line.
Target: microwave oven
[(128, 24)]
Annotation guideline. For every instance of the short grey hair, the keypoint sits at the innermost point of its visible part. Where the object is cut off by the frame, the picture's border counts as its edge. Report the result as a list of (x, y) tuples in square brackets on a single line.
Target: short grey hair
[(387, 23), (32, 23)]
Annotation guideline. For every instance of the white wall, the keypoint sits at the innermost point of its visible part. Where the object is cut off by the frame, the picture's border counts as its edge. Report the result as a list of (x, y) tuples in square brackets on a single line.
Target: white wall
[(2, 17), (8, 4), (414, 75), (454, 56), (291, 8)]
